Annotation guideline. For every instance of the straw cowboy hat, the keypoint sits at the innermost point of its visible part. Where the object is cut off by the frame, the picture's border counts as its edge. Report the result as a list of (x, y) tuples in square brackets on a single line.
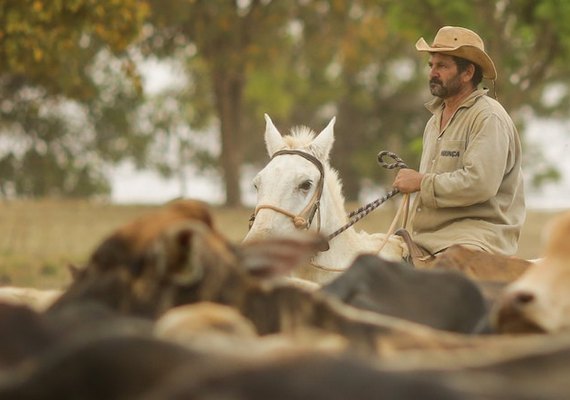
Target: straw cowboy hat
[(463, 43)]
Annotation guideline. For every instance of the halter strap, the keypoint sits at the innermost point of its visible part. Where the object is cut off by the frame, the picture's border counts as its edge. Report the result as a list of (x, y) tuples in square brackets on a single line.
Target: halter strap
[(304, 219)]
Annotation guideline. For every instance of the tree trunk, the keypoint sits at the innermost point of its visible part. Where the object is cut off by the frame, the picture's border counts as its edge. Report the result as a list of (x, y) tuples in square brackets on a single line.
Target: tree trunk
[(346, 130), (228, 91)]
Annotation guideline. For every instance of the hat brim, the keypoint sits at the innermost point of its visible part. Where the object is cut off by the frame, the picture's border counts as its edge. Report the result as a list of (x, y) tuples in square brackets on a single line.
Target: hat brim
[(467, 52)]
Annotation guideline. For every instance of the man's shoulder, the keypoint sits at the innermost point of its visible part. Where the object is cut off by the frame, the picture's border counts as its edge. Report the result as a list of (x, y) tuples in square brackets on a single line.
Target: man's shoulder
[(486, 106)]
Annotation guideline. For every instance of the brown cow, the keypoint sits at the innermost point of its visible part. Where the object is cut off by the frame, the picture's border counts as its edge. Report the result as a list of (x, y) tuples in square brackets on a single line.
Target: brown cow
[(538, 301), (480, 265), (134, 269), (145, 267), (175, 256), (188, 261)]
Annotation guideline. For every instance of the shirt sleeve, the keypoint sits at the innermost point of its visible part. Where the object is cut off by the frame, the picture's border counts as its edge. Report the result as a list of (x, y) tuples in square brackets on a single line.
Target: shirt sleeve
[(484, 164)]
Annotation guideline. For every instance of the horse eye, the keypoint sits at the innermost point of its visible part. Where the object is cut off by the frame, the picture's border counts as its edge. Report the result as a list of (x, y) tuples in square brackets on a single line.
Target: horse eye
[(306, 185)]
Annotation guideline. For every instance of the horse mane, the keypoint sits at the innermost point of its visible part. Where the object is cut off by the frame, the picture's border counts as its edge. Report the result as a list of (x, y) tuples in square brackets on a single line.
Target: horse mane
[(300, 138)]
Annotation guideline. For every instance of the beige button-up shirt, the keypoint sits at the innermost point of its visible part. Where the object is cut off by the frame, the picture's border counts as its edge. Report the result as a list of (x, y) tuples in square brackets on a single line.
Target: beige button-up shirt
[(472, 192)]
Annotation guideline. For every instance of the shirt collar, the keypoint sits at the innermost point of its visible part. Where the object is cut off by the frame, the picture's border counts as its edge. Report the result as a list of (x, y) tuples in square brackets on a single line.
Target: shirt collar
[(435, 105)]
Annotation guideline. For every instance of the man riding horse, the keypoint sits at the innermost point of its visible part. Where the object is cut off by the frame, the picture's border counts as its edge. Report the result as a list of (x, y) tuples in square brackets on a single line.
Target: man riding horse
[(469, 187)]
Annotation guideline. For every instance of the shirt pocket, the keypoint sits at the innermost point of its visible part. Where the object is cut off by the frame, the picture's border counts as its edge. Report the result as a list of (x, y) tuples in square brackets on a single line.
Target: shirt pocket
[(450, 155)]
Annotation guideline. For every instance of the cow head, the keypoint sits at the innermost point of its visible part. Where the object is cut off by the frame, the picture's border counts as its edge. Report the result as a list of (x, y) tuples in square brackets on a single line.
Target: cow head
[(539, 301), (175, 256)]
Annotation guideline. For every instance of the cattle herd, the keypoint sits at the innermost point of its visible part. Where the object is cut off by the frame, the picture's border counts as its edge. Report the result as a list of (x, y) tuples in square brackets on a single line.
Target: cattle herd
[(168, 308)]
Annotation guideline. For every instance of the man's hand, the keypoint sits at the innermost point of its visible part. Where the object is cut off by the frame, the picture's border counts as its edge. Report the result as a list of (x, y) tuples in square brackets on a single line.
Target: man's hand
[(408, 180)]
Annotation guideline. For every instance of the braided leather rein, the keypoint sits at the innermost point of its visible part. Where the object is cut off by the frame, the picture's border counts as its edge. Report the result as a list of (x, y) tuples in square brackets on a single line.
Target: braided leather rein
[(363, 211)]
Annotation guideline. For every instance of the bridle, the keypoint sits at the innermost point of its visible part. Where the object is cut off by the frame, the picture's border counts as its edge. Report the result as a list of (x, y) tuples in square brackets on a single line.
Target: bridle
[(303, 219)]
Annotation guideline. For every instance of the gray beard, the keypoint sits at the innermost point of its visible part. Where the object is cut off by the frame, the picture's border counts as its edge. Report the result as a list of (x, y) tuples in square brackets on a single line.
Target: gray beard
[(438, 90)]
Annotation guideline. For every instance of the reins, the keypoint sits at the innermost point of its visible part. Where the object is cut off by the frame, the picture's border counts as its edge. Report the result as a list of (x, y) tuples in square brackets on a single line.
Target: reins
[(304, 219), (363, 211)]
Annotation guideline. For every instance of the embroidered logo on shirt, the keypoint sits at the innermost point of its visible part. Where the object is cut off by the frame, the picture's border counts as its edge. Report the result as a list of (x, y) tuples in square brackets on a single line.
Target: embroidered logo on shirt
[(450, 153)]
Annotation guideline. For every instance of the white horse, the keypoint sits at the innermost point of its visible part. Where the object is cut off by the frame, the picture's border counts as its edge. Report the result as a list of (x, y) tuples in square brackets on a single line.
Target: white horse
[(298, 190)]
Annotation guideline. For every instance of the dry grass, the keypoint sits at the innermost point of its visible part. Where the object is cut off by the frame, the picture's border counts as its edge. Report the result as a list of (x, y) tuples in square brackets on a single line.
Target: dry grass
[(39, 239)]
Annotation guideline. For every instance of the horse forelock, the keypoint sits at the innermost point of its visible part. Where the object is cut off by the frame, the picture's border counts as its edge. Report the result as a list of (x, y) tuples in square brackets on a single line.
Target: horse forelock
[(300, 137)]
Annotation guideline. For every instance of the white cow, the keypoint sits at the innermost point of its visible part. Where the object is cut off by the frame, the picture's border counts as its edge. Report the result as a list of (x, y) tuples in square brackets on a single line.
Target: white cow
[(539, 300), (36, 299)]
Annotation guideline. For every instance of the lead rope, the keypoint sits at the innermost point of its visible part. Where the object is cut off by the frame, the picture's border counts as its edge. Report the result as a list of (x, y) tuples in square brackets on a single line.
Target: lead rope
[(404, 206), (363, 211)]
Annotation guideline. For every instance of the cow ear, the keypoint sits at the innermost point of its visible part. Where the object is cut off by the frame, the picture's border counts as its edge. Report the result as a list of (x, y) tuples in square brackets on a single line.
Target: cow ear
[(273, 139), (74, 271), (322, 144), (278, 256), (175, 255)]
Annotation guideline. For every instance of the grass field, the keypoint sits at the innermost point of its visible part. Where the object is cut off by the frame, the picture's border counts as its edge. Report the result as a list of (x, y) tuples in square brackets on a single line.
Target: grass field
[(38, 239)]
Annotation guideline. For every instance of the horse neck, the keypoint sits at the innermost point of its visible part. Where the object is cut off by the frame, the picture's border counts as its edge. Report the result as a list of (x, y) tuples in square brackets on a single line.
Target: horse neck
[(334, 216), (333, 212)]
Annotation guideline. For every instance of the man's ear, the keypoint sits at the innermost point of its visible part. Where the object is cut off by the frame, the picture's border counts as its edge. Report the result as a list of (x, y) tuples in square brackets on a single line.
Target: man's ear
[(468, 73)]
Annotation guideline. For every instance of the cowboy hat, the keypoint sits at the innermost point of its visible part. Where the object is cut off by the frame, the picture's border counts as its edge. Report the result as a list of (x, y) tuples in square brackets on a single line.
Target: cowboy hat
[(463, 43)]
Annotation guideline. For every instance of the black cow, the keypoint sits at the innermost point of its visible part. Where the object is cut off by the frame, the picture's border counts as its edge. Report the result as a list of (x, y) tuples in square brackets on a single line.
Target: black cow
[(118, 367), (441, 299), (83, 351), (301, 377), (23, 334)]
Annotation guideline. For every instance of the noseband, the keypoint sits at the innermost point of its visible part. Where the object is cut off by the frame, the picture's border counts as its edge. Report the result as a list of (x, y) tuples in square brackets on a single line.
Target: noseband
[(304, 219)]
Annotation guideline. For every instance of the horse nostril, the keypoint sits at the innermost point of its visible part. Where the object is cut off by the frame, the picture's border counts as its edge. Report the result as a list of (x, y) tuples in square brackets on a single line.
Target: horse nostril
[(524, 298)]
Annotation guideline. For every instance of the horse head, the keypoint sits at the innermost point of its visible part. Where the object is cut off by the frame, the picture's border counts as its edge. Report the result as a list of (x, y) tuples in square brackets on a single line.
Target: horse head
[(290, 187), (298, 191)]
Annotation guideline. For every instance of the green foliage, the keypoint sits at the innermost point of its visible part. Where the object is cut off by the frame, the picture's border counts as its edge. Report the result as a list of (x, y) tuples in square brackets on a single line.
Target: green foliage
[(233, 41), (61, 118), (546, 175), (50, 42), (304, 61)]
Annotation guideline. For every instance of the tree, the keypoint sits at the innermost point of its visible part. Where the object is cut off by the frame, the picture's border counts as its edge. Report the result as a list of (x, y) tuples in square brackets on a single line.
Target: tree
[(356, 49), (62, 100), (232, 39), (305, 61), (379, 83)]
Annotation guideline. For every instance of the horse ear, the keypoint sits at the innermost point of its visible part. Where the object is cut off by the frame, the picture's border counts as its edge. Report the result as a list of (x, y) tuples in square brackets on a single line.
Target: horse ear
[(273, 139), (322, 144)]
